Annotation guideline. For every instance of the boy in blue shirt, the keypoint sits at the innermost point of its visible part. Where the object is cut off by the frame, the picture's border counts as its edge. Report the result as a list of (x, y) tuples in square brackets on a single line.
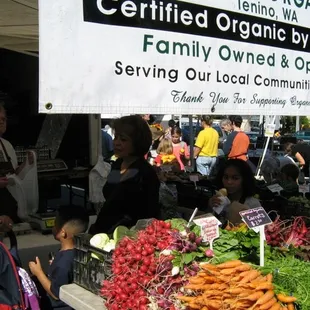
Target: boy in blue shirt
[(70, 221)]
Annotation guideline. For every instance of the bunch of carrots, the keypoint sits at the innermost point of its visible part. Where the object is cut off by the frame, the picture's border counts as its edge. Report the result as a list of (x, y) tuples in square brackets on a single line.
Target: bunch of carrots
[(233, 285)]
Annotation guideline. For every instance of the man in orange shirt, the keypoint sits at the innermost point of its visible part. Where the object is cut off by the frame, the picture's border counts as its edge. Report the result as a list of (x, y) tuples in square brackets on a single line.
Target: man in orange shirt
[(237, 144)]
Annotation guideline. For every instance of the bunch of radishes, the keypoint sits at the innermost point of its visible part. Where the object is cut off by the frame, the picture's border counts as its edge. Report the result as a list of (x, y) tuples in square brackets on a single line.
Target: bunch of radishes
[(297, 234), (274, 232), (135, 266), (287, 233), (185, 241), (143, 273)]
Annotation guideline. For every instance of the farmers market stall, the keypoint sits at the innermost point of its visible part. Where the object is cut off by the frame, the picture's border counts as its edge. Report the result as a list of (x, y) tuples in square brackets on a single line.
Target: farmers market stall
[(183, 58), (177, 264)]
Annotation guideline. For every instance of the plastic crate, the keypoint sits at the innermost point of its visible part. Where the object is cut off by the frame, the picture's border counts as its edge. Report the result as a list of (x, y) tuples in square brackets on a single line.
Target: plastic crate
[(89, 271)]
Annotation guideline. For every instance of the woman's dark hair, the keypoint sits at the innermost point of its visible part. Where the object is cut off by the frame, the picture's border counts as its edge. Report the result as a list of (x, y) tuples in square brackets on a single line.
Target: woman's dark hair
[(248, 180), (176, 130), (288, 147), (138, 130)]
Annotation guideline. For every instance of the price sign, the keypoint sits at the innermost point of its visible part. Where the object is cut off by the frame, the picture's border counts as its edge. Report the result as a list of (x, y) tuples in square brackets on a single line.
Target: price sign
[(255, 217), (194, 178), (209, 226), (269, 131), (275, 188), (303, 189)]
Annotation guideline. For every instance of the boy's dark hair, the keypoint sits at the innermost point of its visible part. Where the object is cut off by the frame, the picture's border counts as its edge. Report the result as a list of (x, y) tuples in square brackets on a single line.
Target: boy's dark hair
[(75, 216), (291, 171), (171, 123), (236, 120)]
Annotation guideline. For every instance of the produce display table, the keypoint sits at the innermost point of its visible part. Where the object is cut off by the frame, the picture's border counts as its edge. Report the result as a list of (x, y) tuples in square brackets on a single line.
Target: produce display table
[(80, 299)]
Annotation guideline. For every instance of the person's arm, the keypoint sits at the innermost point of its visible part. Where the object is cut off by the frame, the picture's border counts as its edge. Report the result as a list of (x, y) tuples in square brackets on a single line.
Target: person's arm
[(198, 144), (36, 270), (186, 151), (46, 284), (20, 168), (300, 159)]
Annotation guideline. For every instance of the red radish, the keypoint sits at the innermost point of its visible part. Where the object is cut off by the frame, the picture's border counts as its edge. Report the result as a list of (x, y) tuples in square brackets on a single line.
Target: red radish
[(209, 253)]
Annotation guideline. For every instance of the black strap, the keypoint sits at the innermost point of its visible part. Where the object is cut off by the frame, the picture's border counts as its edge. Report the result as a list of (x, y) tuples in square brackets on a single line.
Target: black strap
[(5, 152)]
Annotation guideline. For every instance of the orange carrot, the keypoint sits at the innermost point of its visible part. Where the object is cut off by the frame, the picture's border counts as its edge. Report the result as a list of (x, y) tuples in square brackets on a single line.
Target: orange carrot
[(276, 306), (266, 297), (218, 286), (253, 274), (236, 278), (284, 308), (255, 296), (286, 299), (245, 293), (224, 278), (196, 280), (194, 306), (259, 279), (193, 286), (269, 277), (245, 273), (263, 286), (290, 306), (210, 279), (213, 304), (243, 267), (235, 290), (228, 271), (207, 266), (212, 293), (186, 298), (230, 264), (268, 304)]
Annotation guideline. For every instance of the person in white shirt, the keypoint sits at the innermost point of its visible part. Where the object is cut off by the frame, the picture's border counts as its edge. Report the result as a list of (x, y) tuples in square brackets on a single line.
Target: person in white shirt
[(8, 165)]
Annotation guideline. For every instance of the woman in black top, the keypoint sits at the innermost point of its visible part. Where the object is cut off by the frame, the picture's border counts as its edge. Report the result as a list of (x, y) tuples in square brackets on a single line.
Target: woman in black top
[(132, 188)]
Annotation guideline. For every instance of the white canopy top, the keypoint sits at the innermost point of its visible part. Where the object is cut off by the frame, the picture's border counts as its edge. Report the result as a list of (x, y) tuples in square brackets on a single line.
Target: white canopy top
[(19, 26)]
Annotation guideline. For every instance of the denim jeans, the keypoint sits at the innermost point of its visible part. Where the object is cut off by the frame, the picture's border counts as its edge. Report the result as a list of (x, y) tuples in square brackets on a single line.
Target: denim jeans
[(205, 164)]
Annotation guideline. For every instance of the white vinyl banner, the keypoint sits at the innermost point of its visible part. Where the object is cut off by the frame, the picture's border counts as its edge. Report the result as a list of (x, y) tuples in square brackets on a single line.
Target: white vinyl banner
[(175, 57)]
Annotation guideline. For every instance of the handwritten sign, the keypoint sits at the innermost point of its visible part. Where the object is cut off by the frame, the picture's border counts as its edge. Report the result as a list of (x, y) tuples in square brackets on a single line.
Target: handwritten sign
[(304, 189), (275, 188), (194, 178), (269, 131), (255, 217), (209, 226)]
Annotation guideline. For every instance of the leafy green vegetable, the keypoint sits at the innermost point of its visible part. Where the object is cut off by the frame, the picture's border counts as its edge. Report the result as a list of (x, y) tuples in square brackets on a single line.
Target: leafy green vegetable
[(291, 276), (181, 259), (236, 245), (178, 223)]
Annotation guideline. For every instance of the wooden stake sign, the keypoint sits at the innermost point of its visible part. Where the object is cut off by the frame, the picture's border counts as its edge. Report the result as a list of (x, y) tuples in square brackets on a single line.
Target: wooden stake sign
[(257, 219)]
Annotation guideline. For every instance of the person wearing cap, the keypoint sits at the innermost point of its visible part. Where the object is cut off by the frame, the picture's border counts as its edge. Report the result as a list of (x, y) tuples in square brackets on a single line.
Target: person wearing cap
[(237, 143)]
